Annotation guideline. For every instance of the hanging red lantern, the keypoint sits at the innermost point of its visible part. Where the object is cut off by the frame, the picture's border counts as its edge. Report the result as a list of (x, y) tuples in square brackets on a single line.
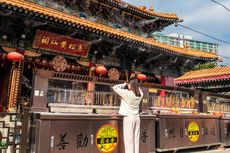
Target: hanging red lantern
[(15, 57), (141, 77), (101, 70)]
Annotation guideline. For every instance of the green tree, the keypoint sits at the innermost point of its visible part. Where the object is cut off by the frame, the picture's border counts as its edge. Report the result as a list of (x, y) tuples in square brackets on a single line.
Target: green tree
[(205, 66)]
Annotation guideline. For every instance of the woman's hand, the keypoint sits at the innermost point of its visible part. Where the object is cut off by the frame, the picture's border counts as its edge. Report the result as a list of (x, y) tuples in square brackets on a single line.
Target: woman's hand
[(125, 84)]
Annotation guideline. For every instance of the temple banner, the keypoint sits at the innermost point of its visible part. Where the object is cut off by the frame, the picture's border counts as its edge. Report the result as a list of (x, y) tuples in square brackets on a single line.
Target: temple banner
[(60, 44)]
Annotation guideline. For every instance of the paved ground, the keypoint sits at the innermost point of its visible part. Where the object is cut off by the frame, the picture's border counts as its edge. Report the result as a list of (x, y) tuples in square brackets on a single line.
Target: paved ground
[(214, 149), (207, 151)]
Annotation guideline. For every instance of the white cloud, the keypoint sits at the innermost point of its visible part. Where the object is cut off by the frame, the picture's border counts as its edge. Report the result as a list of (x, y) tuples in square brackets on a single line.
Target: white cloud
[(209, 17)]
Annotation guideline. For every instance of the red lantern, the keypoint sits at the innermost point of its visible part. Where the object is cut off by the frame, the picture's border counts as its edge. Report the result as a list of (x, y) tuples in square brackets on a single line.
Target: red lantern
[(141, 77), (101, 70), (14, 56)]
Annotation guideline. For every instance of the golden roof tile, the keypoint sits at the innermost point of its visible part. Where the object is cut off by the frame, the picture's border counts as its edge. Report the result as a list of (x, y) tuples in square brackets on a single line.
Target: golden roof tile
[(106, 29), (205, 73)]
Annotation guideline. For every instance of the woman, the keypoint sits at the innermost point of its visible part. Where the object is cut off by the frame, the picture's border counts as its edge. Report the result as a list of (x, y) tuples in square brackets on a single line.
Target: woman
[(129, 108)]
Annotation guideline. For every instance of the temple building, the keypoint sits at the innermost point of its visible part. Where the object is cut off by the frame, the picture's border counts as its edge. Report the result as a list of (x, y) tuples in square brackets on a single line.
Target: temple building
[(59, 60), (214, 80), (86, 33)]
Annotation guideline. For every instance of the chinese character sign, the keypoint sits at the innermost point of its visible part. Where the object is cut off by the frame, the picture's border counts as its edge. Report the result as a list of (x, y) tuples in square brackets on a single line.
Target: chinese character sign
[(107, 138), (60, 44), (82, 140), (193, 131), (144, 136), (62, 143)]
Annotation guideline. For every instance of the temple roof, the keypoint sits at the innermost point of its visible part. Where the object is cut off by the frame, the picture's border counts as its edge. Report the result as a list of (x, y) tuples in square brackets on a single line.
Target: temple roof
[(144, 11), (205, 75), (46, 13)]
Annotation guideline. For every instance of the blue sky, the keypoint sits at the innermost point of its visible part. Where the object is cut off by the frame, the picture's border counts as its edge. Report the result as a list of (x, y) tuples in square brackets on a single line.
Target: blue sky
[(202, 15)]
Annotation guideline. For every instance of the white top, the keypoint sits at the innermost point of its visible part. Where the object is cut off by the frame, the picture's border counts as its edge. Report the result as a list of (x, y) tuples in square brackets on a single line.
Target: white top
[(129, 103)]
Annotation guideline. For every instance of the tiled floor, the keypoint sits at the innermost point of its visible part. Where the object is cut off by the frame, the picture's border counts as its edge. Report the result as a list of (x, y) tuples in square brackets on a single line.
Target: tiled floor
[(207, 151)]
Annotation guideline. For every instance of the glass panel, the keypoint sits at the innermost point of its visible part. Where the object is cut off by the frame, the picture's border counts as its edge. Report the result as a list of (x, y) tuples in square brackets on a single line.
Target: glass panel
[(171, 99), (81, 93), (218, 104)]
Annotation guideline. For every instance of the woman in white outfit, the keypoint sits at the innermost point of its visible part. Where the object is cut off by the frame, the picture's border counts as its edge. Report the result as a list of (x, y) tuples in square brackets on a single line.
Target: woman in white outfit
[(129, 108)]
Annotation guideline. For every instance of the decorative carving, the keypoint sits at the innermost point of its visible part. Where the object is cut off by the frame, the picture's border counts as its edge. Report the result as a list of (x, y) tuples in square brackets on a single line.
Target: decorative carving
[(151, 8), (59, 63), (10, 132), (27, 52)]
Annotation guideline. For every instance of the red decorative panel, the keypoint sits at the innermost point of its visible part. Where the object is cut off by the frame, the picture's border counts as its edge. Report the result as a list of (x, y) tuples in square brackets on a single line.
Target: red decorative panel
[(60, 44)]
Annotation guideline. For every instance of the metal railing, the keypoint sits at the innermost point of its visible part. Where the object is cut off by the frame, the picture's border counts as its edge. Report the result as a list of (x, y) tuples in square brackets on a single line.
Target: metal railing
[(84, 78)]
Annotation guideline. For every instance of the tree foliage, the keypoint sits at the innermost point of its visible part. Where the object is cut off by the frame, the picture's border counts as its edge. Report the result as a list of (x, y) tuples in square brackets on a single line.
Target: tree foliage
[(205, 66)]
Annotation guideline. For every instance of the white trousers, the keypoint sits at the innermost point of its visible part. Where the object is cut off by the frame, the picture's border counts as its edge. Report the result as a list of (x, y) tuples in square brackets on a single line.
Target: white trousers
[(131, 134)]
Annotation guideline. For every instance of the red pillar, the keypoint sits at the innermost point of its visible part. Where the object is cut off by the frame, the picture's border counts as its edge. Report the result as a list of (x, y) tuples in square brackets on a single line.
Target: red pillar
[(163, 93)]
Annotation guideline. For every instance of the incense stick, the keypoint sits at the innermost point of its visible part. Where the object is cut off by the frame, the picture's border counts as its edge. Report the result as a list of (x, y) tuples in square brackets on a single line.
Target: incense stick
[(126, 75)]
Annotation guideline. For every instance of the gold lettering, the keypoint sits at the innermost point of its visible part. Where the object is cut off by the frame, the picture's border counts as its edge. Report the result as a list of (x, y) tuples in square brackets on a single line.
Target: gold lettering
[(45, 40), (80, 48), (72, 46), (63, 44), (54, 42)]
